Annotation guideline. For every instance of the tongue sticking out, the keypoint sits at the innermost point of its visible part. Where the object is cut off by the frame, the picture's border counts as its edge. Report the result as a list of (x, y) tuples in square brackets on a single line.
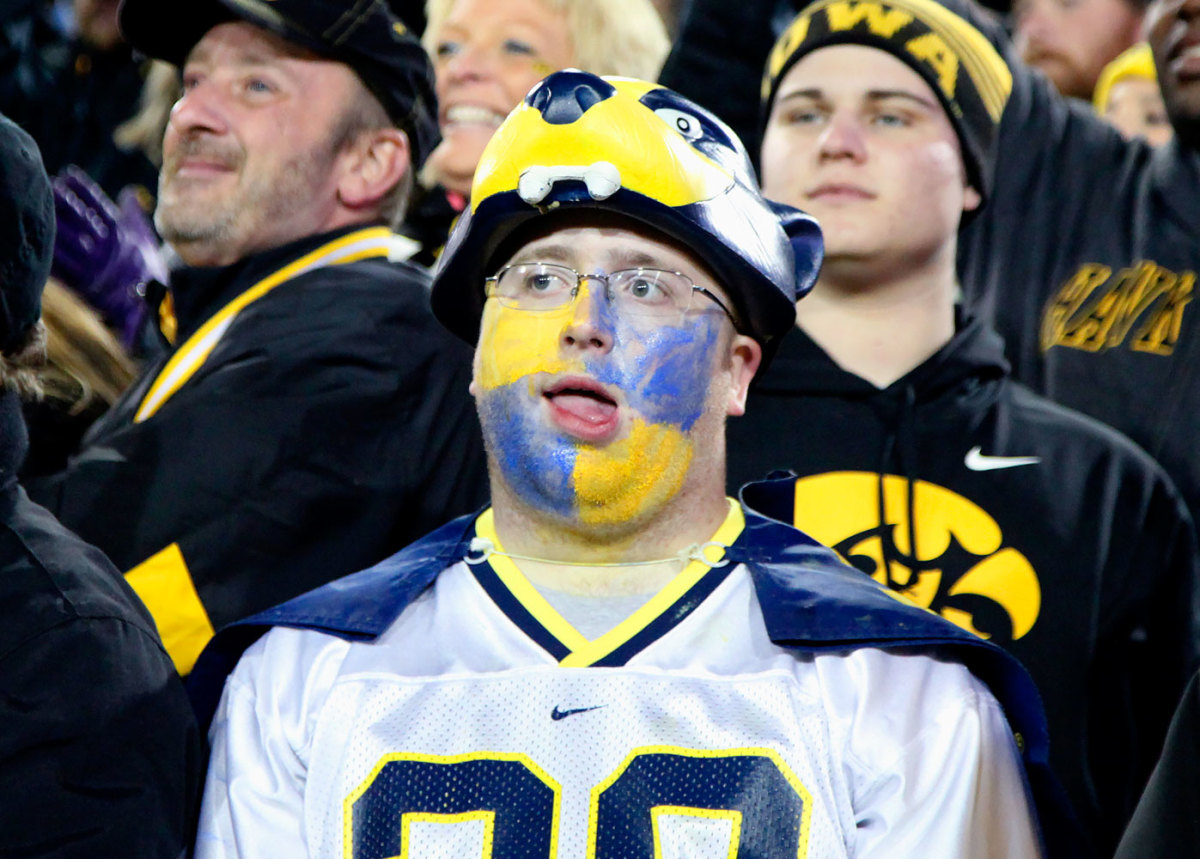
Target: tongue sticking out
[(588, 415), (585, 407)]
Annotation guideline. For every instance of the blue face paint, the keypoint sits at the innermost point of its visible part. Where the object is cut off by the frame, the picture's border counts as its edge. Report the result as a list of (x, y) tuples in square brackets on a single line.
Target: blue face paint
[(537, 461), (658, 368), (580, 456)]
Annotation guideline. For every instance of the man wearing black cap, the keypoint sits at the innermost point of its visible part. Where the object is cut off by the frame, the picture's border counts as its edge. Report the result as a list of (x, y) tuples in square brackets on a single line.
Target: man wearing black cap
[(615, 658), (1018, 519), (99, 751), (311, 416)]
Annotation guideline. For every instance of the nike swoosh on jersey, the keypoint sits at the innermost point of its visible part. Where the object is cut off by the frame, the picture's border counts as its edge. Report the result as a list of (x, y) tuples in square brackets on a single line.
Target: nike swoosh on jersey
[(977, 461), (557, 714)]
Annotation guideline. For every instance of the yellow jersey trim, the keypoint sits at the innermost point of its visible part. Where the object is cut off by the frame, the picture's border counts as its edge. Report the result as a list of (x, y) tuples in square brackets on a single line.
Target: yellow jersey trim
[(488, 816), (805, 826), (585, 652), (658, 812)]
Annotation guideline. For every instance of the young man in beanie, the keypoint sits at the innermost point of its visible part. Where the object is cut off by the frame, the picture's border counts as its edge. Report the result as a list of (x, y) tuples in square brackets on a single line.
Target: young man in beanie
[(917, 457), (614, 659), (99, 751), (1085, 258), (311, 416)]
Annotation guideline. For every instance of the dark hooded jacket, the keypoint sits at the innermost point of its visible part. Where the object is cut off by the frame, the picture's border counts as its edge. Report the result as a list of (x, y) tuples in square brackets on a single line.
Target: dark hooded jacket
[(1167, 821), (1037, 527), (71, 97), (100, 754)]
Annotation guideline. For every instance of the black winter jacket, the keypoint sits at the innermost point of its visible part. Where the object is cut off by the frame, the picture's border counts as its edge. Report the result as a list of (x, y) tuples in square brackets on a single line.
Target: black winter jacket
[(99, 752), (1167, 821), (329, 427), (71, 97)]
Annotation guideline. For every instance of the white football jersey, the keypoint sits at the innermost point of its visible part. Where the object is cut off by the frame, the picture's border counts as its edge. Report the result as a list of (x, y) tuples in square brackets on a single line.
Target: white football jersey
[(482, 725)]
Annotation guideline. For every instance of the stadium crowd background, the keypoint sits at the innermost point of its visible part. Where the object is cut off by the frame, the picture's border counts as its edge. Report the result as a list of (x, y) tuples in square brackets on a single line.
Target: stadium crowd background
[(98, 109)]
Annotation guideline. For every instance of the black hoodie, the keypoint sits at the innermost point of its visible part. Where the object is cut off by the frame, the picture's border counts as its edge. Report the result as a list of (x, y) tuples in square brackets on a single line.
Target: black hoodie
[(1037, 527)]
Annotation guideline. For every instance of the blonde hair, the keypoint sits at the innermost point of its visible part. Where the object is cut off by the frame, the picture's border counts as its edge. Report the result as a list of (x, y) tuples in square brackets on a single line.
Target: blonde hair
[(144, 130), (22, 367), (608, 37), (85, 362)]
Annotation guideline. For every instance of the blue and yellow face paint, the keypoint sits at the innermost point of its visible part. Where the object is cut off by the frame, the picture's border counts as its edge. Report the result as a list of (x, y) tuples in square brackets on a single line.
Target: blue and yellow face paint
[(656, 371)]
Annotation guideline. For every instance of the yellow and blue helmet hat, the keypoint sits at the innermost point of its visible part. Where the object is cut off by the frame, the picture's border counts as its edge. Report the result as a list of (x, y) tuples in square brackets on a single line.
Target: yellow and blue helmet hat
[(579, 142)]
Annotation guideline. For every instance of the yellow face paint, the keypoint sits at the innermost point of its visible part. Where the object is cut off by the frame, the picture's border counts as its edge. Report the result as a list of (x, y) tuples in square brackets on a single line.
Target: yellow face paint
[(619, 482), (659, 390), (517, 344)]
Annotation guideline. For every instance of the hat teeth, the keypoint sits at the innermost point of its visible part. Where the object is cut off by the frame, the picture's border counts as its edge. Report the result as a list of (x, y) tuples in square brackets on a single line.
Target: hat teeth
[(602, 179)]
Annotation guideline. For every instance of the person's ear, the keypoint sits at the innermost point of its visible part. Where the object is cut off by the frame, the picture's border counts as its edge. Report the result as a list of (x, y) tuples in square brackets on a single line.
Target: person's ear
[(373, 165), (971, 199), (745, 355)]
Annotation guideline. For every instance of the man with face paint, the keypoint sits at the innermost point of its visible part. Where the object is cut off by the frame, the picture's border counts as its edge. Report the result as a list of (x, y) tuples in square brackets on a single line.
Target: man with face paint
[(614, 658)]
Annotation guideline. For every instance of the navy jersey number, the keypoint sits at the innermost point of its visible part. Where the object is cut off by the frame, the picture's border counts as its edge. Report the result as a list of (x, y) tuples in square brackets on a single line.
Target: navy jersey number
[(767, 809), (515, 800)]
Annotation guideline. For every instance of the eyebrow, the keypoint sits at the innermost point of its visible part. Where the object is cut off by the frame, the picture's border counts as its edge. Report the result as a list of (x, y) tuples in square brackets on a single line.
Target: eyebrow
[(249, 59), (639, 259), (620, 257), (885, 94), (874, 95), (550, 252), (254, 55)]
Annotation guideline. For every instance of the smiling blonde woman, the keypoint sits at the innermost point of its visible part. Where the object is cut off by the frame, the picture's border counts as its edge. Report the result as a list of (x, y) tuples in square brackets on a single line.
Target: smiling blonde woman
[(487, 56)]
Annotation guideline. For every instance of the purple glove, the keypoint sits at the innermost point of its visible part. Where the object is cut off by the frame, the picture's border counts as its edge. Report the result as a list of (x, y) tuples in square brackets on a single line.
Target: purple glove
[(105, 252)]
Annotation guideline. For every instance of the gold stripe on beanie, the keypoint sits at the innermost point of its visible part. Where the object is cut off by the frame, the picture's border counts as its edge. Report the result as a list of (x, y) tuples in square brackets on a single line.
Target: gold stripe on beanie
[(939, 40)]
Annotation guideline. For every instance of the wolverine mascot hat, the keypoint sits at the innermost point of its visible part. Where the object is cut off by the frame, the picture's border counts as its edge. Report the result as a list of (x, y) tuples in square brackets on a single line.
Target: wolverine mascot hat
[(581, 143)]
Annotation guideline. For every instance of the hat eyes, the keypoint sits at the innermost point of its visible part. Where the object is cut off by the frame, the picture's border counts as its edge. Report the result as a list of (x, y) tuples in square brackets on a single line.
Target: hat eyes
[(686, 124)]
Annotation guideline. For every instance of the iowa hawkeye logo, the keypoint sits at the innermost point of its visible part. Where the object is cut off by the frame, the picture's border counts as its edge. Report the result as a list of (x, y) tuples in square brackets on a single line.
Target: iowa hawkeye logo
[(960, 567)]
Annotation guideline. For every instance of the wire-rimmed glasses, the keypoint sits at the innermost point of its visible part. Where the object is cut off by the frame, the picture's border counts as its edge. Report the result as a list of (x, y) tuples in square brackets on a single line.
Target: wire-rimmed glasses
[(644, 292)]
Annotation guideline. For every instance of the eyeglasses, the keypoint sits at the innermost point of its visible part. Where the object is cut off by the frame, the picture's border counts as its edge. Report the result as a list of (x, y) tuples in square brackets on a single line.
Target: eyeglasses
[(644, 292)]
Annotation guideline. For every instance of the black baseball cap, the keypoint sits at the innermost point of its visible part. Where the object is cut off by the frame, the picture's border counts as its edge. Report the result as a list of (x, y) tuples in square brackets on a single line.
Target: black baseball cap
[(364, 34), (26, 233)]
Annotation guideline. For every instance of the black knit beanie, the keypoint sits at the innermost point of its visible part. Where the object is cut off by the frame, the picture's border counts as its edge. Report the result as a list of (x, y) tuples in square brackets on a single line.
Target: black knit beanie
[(968, 75)]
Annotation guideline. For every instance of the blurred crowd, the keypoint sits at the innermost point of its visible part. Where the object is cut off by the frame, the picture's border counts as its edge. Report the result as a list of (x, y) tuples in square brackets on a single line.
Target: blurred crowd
[(237, 391)]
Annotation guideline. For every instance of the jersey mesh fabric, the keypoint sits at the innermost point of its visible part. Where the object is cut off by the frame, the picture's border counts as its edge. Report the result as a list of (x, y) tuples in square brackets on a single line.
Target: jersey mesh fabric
[(575, 754)]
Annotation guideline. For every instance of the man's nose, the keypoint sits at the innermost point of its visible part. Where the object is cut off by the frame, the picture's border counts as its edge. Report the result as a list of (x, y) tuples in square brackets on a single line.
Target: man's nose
[(199, 108), (843, 138), (590, 325), (1032, 25)]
